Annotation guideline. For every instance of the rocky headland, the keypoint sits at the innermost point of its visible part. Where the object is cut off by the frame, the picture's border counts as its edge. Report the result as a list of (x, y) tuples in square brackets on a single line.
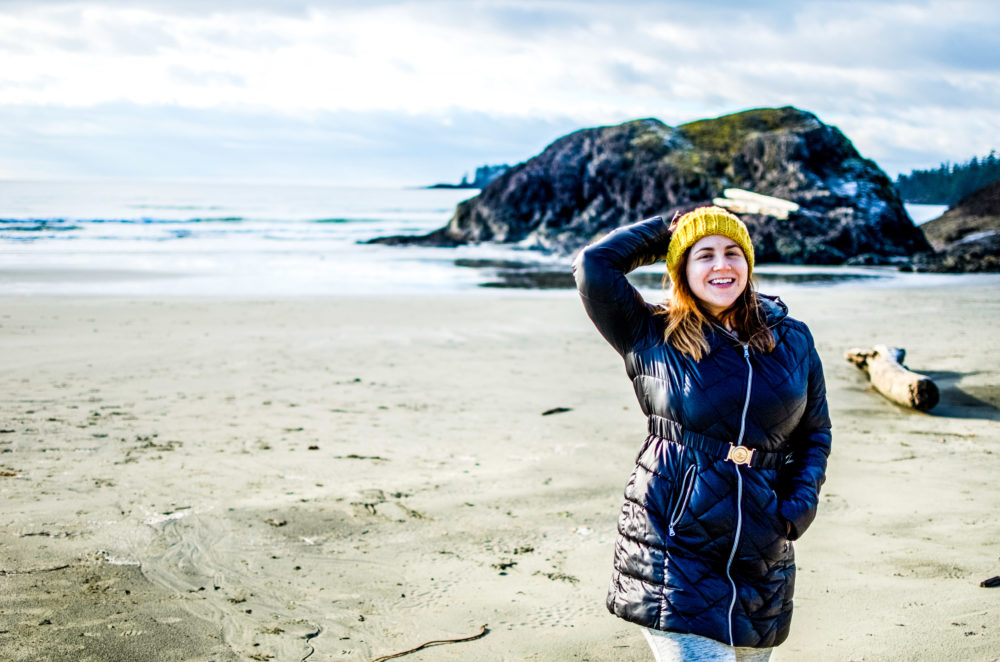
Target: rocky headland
[(484, 175), (834, 205), (966, 238)]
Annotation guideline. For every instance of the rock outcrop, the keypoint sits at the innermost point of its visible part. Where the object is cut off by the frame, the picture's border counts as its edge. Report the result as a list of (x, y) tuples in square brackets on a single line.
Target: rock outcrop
[(593, 180), (966, 238), (484, 175)]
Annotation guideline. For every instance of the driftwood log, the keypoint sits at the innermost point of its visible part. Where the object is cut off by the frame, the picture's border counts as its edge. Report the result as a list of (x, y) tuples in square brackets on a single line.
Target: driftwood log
[(884, 366)]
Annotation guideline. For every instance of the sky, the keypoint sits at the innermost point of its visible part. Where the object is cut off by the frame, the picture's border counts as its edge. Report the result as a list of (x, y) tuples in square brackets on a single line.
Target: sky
[(411, 92)]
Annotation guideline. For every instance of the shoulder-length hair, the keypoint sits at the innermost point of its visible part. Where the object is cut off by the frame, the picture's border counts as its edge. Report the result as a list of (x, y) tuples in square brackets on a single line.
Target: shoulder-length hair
[(687, 321)]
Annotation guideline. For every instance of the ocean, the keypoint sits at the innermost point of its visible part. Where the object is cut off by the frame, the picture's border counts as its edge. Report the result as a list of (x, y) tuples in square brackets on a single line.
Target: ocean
[(159, 238), (141, 238)]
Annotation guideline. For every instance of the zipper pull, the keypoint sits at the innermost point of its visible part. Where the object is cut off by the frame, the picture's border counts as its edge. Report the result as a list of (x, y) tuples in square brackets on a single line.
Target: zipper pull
[(670, 530), (746, 351)]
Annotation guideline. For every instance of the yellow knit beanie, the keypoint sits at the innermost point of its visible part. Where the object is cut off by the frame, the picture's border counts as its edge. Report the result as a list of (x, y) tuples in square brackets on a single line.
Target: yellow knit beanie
[(703, 222)]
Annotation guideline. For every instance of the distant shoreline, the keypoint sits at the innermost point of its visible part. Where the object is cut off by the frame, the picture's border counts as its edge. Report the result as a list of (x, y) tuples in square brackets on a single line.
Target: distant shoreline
[(464, 275)]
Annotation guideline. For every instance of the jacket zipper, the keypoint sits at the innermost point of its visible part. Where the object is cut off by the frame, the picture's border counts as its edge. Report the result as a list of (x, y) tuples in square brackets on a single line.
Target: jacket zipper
[(739, 492)]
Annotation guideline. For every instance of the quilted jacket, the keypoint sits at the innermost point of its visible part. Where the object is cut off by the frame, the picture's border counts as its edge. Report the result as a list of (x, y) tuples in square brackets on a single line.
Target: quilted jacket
[(704, 543)]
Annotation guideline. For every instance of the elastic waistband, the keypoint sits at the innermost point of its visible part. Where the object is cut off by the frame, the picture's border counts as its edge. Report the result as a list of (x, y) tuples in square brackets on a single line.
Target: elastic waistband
[(675, 432)]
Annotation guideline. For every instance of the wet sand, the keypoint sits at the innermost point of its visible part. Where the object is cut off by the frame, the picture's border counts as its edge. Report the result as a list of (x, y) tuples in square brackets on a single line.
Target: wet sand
[(345, 478)]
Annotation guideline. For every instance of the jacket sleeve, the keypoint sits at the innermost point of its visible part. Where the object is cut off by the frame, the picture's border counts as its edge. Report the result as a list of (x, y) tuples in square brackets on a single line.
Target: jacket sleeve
[(617, 308), (811, 441)]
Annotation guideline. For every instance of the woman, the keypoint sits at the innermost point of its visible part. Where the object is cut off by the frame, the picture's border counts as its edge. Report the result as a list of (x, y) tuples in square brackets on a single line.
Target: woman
[(739, 435)]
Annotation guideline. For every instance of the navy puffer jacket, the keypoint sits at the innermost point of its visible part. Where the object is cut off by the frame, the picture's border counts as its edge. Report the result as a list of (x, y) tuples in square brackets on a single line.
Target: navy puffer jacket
[(703, 541)]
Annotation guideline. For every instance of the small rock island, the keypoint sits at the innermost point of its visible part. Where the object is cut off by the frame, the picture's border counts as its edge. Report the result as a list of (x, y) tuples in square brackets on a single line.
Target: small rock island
[(805, 192)]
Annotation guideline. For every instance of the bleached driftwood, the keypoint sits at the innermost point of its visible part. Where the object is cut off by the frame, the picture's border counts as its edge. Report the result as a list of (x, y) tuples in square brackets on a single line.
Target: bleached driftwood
[(748, 202), (885, 369)]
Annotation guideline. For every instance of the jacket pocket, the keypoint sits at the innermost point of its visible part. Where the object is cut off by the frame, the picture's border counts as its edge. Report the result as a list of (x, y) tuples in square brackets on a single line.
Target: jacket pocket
[(683, 498), (784, 528)]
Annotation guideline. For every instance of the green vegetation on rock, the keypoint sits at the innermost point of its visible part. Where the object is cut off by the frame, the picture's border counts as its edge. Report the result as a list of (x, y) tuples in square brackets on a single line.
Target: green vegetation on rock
[(726, 134)]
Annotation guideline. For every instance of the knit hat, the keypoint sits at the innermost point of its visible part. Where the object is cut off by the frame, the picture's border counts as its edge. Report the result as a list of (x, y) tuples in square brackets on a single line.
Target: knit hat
[(703, 222)]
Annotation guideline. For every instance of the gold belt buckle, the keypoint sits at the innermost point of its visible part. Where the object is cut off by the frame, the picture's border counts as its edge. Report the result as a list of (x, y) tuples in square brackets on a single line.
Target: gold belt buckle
[(740, 454)]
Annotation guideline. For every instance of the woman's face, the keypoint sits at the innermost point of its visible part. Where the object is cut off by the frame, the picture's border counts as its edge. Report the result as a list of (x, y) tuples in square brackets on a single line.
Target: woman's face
[(716, 272)]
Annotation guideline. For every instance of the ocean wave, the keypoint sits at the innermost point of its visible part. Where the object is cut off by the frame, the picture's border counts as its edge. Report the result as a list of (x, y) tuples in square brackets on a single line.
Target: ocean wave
[(174, 207), (10, 225), (347, 220), (59, 223)]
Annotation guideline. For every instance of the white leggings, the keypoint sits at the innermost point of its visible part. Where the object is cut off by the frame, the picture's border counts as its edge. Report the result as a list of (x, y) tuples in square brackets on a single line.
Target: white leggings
[(676, 647)]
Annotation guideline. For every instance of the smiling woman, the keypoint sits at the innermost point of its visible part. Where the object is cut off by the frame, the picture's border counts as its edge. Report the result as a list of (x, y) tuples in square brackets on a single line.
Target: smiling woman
[(739, 434)]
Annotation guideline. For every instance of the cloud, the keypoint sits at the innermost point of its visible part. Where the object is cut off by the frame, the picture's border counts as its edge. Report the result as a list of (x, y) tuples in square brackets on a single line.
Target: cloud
[(201, 77), (127, 140), (887, 72), (503, 57), (177, 7)]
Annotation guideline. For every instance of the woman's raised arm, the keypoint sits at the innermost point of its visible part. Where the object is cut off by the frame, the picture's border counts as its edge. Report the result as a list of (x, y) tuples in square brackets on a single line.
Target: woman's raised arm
[(617, 308)]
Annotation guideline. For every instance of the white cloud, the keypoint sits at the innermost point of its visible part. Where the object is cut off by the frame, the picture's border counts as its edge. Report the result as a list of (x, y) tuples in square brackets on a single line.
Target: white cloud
[(886, 72), (381, 58)]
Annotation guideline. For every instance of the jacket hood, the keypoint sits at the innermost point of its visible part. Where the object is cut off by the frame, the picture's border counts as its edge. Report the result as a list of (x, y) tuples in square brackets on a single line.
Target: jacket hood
[(774, 309)]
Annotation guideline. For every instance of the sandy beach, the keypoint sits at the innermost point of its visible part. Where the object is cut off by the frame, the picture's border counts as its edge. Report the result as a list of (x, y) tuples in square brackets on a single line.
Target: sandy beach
[(347, 478)]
